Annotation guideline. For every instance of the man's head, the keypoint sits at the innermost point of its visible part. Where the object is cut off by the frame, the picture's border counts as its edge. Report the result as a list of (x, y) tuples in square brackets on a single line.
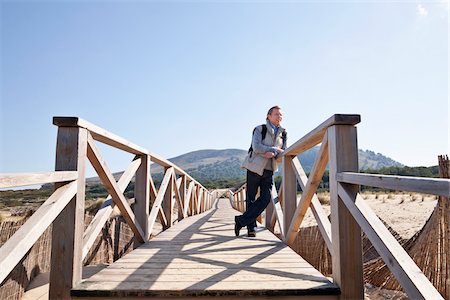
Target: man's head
[(274, 115)]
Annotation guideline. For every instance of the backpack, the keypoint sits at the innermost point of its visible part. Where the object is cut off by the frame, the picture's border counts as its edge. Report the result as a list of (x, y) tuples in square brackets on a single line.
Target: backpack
[(263, 136)]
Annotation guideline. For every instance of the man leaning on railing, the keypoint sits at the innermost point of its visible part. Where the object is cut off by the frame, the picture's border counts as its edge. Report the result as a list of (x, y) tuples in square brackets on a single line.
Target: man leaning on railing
[(268, 142)]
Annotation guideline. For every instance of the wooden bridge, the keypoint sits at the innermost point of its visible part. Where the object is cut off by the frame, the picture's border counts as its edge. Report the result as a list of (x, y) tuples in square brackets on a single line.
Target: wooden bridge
[(197, 254)]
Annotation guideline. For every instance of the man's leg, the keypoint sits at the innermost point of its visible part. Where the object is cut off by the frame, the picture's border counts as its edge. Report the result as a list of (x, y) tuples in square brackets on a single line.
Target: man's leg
[(253, 181), (260, 205)]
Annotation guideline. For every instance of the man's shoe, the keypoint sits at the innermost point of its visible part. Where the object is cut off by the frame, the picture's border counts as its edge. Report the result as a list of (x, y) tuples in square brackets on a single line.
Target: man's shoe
[(237, 226), (251, 233)]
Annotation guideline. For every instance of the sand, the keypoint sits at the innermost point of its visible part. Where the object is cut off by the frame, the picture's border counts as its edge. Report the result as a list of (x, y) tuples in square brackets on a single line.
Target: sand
[(405, 213)]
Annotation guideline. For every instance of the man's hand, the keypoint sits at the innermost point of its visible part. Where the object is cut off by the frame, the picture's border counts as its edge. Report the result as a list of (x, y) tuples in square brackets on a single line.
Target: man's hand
[(269, 155), (279, 150)]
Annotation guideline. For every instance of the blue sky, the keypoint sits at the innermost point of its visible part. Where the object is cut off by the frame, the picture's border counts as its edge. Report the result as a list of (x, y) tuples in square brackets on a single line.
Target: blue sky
[(176, 76)]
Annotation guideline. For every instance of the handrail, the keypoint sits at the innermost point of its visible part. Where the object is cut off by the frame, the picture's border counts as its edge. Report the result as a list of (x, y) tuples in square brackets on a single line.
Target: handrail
[(315, 136), (108, 138), (350, 215), (65, 207), (24, 179), (435, 186)]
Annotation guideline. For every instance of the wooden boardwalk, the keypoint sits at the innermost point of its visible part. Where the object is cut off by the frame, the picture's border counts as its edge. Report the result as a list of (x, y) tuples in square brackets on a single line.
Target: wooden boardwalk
[(200, 256)]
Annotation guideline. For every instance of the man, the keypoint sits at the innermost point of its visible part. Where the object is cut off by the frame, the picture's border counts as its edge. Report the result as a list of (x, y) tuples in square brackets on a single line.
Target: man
[(268, 142)]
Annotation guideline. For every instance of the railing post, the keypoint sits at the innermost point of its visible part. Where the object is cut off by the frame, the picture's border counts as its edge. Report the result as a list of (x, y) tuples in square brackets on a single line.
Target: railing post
[(289, 192), (142, 195), (167, 203), (232, 199), (346, 247), (268, 216), (243, 198), (182, 192), (68, 227)]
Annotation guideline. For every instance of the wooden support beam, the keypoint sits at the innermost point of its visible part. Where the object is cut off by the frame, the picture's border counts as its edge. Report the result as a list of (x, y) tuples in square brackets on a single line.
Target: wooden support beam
[(105, 211), (100, 134), (142, 195), (435, 186), (269, 212), (113, 189), (408, 274), (153, 193), (108, 138), (289, 192), (347, 263), (159, 198), (188, 207), (177, 186), (24, 179), (167, 204), (316, 208), (17, 246), (315, 136), (277, 215), (67, 233), (309, 187)]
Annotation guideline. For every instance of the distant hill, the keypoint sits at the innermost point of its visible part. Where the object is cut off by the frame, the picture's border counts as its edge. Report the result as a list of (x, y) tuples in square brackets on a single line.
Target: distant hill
[(229, 159), (209, 165)]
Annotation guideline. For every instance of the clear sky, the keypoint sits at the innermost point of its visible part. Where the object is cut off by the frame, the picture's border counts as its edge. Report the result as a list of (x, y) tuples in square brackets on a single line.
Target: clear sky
[(179, 76)]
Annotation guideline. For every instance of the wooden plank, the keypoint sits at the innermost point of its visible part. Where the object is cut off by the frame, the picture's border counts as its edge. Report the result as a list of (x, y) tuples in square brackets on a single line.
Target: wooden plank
[(408, 274), (153, 192), (184, 202), (194, 200), (100, 134), (199, 198), (289, 192), (435, 186), (68, 227), (347, 264), (113, 189), (159, 199), (188, 203), (243, 198), (17, 246), (321, 217), (178, 198), (24, 179), (142, 195), (103, 214), (315, 136), (200, 254), (167, 203), (309, 192), (277, 215), (269, 212)]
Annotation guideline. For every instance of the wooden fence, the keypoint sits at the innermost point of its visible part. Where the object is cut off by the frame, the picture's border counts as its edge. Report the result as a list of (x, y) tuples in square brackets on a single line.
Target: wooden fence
[(76, 142), (350, 215)]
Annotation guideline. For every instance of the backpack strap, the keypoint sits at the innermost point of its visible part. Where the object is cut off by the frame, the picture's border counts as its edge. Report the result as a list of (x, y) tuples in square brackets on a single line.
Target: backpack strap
[(263, 131), (284, 138), (263, 136)]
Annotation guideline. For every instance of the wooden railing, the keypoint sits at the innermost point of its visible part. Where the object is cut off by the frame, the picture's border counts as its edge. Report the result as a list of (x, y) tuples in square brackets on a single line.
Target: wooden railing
[(65, 207), (349, 213)]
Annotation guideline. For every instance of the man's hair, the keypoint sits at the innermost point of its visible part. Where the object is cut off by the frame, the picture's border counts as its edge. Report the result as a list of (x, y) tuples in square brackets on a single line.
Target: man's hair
[(271, 110)]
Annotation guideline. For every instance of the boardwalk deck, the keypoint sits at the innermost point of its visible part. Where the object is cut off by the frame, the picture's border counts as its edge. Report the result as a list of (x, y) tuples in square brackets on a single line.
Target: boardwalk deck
[(200, 256)]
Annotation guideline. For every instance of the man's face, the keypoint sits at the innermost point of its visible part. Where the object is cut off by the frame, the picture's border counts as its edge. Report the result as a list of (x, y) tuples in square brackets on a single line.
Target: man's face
[(275, 117)]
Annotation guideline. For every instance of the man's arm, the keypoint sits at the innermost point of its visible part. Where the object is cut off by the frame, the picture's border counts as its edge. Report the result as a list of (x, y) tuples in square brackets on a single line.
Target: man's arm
[(283, 147), (258, 146)]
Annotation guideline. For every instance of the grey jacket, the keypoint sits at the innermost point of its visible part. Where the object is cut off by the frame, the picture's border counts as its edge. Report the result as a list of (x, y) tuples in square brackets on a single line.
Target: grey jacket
[(255, 161)]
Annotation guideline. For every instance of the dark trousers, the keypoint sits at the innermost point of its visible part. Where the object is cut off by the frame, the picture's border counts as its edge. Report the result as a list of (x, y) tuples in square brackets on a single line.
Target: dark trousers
[(254, 207)]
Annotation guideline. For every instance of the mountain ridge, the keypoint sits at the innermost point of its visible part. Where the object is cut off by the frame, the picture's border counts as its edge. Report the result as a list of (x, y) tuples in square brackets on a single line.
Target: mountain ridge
[(224, 164)]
